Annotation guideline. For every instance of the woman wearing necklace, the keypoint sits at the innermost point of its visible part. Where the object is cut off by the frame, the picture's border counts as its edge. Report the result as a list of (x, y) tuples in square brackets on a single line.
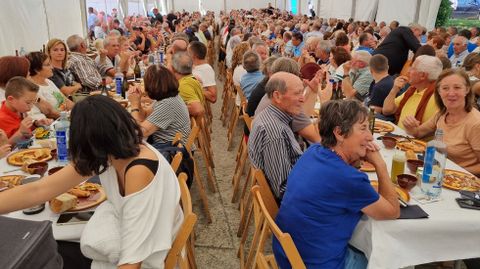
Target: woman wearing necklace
[(40, 72), (326, 195), (62, 76), (458, 118)]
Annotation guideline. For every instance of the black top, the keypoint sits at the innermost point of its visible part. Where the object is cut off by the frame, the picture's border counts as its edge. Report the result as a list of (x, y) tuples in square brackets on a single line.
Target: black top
[(152, 165), (396, 46), (379, 91), (62, 77), (138, 41)]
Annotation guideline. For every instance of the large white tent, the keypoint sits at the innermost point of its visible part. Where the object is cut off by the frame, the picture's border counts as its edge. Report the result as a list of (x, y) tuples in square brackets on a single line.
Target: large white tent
[(30, 23)]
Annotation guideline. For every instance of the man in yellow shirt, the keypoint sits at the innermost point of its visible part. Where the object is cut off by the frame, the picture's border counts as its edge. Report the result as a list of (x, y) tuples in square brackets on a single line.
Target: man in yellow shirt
[(189, 87), (418, 100)]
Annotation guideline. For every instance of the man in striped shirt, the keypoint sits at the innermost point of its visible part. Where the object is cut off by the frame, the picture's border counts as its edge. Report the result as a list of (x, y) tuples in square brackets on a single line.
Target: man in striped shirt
[(272, 146), (83, 67)]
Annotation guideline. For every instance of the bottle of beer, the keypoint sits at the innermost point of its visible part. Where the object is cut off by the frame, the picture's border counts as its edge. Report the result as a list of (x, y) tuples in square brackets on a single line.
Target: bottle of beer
[(137, 72), (124, 86)]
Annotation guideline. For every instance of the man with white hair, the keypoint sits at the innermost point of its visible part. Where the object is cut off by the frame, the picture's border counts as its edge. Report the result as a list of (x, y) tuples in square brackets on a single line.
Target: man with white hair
[(83, 67), (358, 78), (109, 59), (418, 101), (460, 51)]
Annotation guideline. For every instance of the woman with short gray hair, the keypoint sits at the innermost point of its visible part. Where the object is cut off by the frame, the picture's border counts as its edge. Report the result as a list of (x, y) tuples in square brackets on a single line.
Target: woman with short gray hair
[(325, 186)]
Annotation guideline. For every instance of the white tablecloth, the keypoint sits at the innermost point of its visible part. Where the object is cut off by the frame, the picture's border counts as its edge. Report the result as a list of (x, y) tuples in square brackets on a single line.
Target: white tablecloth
[(70, 232), (450, 232)]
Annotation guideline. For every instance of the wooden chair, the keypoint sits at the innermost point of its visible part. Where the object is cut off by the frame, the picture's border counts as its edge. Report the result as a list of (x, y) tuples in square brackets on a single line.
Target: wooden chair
[(196, 174), (181, 242), (206, 150), (242, 159), (235, 115), (175, 163), (270, 227), (271, 204), (227, 96), (186, 201)]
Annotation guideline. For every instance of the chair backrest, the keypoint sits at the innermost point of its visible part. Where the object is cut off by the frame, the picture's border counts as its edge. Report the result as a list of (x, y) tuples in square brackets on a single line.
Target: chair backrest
[(248, 120), (185, 194), (243, 98), (175, 163), (193, 135), (269, 225), (175, 256), (178, 137), (266, 192)]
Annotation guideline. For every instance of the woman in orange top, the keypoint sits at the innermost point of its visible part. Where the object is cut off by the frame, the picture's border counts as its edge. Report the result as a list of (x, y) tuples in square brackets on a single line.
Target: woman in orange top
[(458, 118)]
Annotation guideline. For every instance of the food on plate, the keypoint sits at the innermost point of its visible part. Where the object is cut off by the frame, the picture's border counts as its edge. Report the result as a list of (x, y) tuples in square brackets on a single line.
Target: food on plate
[(87, 186), (402, 194), (79, 193), (63, 202), (410, 154), (13, 180), (3, 185), (457, 180), (29, 155), (414, 145), (383, 127), (41, 133), (367, 167)]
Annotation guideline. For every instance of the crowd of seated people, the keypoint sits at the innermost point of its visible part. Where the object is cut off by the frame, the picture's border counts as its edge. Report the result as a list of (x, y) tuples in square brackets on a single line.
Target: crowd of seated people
[(420, 80)]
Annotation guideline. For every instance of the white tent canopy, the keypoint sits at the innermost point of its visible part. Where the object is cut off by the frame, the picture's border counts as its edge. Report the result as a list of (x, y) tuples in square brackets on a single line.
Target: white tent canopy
[(31, 23)]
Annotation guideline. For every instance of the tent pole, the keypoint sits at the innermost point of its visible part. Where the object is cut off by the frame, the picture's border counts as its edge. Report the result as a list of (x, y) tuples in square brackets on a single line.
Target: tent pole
[(417, 11), (318, 7), (46, 19), (354, 9)]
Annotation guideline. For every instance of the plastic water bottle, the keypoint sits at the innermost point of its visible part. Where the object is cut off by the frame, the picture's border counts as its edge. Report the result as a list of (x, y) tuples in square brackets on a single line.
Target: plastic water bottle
[(22, 52), (160, 55), (434, 165), (142, 69), (118, 81), (62, 133)]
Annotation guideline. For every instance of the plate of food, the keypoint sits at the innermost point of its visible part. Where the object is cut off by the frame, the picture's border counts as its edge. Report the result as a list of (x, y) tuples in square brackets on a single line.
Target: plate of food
[(415, 145), (460, 181), (367, 167), (41, 133), (79, 198), (383, 127), (30, 155), (7, 182)]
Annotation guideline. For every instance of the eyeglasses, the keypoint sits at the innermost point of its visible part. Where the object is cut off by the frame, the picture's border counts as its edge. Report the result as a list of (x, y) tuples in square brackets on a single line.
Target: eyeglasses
[(32, 102)]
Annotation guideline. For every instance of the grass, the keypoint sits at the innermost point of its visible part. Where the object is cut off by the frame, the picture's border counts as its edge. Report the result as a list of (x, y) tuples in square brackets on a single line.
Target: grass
[(463, 23)]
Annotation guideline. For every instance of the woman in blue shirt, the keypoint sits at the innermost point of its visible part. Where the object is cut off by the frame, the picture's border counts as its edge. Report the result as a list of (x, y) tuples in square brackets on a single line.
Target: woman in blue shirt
[(326, 195)]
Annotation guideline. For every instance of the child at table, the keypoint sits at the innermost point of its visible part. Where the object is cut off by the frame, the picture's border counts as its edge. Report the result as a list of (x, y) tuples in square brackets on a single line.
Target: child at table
[(20, 97)]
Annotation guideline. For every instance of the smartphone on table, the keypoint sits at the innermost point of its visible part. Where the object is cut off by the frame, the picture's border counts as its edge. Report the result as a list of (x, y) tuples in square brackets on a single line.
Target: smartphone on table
[(74, 217)]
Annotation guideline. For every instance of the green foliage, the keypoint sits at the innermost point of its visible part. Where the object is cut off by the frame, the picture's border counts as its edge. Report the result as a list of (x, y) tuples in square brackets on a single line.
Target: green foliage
[(463, 23), (444, 13)]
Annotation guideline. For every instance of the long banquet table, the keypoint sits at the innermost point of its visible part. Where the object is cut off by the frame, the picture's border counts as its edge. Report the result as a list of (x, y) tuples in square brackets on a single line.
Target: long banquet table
[(450, 232), (70, 232)]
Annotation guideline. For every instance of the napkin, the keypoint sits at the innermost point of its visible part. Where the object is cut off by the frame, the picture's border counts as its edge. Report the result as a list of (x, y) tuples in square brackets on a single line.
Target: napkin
[(412, 212)]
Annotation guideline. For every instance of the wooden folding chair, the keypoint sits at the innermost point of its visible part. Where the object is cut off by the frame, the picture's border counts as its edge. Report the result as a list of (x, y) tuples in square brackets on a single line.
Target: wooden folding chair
[(174, 256), (242, 159), (268, 226), (175, 163), (235, 115), (186, 201), (271, 204), (205, 149), (196, 173), (228, 97)]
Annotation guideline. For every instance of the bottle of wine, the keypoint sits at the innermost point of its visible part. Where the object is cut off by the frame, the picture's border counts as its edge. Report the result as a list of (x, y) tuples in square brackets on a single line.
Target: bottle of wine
[(103, 87), (124, 86), (137, 71)]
